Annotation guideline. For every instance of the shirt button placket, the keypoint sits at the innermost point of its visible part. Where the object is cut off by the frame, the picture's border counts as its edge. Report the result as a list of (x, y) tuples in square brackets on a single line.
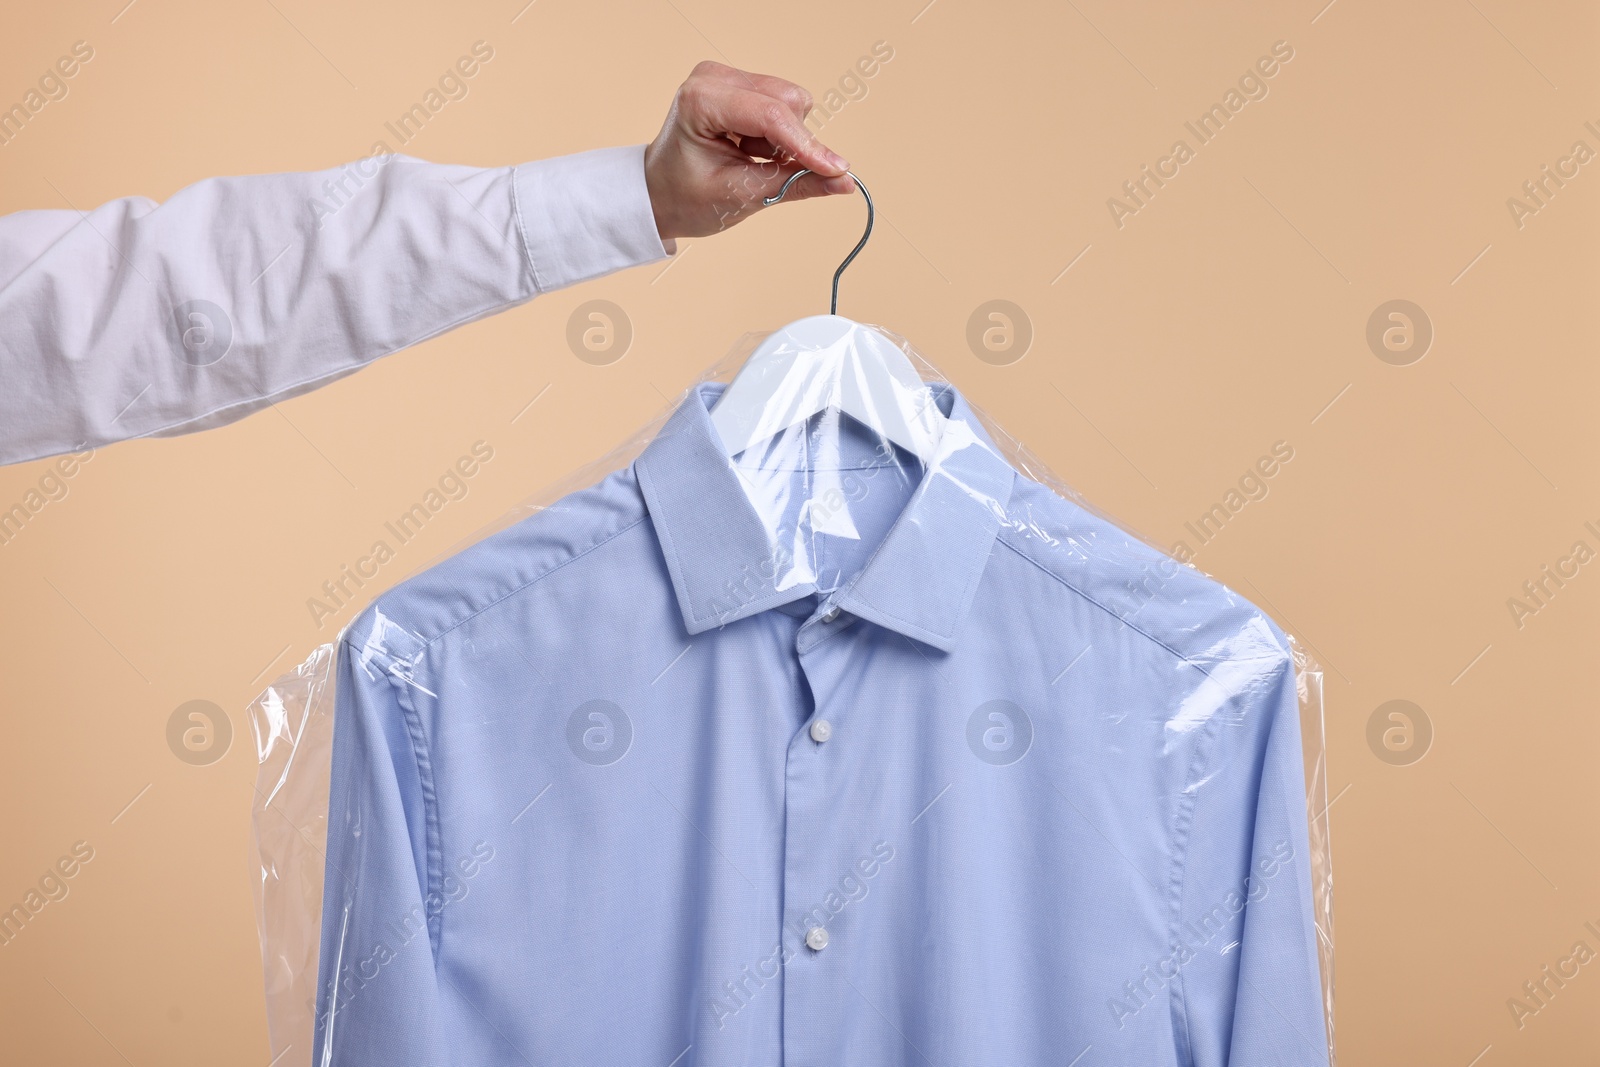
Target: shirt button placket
[(809, 851)]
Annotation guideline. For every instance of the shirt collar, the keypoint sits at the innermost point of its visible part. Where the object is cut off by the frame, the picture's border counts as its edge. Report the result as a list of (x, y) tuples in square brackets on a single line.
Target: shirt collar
[(724, 566)]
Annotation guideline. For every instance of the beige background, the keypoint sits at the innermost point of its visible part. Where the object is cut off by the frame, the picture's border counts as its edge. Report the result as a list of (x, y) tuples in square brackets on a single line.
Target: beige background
[(1227, 314)]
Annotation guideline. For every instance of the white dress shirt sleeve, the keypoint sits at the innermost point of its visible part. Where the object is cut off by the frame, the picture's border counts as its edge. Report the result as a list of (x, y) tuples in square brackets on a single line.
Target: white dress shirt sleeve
[(139, 319)]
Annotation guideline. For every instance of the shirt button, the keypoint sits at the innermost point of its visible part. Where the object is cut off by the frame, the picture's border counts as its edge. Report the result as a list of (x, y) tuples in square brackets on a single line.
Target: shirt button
[(821, 730), (830, 615), (816, 939)]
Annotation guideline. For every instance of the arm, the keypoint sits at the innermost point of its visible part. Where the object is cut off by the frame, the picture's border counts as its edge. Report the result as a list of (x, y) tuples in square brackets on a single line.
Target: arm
[(139, 318)]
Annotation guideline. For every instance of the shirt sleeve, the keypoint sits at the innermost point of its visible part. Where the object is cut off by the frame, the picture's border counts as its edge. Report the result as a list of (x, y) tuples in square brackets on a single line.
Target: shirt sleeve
[(1244, 947), (378, 988), (139, 318)]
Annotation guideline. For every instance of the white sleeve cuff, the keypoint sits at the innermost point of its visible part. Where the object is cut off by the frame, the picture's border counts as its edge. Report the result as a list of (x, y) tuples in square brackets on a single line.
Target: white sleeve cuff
[(586, 215)]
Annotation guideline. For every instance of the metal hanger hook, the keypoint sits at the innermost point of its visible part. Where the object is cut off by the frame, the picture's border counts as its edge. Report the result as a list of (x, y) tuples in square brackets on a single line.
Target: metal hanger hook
[(833, 304)]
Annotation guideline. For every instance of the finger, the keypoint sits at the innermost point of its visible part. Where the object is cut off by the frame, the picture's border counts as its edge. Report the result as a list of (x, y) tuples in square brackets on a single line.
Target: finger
[(727, 109), (760, 148), (761, 180), (795, 96), (809, 185)]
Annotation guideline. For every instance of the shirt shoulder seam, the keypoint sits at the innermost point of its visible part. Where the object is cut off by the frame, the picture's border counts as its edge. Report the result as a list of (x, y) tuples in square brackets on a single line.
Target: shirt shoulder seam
[(1141, 631), (534, 580)]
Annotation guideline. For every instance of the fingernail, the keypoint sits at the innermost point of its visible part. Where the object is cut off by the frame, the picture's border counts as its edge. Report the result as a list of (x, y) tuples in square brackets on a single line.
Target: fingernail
[(839, 161)]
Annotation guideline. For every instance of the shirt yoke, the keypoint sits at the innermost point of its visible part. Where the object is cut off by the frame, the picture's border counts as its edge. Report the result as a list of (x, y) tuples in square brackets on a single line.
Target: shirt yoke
[(429, 605), (1195, 618)]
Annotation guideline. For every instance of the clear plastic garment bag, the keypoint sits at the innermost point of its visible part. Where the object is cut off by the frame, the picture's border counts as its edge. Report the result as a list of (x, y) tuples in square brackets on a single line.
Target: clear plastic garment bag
[(1087, 780)]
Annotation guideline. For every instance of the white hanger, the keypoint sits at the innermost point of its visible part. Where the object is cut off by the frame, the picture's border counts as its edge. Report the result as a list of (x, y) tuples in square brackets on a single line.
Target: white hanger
[(827, 362)]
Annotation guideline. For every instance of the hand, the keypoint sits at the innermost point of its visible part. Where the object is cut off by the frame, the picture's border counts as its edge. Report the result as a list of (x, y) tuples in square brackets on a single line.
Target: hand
[(730, 139)]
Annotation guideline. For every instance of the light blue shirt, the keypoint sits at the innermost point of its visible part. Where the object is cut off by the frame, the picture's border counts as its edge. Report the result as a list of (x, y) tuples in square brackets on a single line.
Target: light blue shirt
[(656, 778)]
